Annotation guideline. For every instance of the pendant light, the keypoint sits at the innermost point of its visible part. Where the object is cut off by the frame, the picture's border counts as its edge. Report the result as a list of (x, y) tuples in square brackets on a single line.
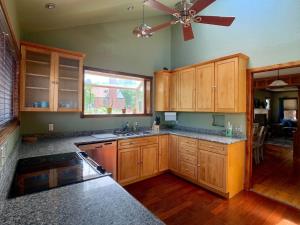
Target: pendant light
[(142, 31), (278, 82)]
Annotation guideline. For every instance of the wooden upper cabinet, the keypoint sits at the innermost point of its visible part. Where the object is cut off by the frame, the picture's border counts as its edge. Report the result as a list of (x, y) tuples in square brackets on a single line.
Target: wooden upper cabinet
[(162, 92), (205, 88), (230, 82), (51, 79), (186, 90), (174, 91)]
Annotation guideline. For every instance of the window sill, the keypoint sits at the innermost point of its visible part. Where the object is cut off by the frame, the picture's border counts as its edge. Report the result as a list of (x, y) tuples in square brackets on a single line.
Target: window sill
[(7, 130), (114, 115)]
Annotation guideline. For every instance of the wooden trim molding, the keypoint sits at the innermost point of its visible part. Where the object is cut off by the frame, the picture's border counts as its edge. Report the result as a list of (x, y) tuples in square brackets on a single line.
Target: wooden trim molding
[(10, 26), (53, 49), (7, 130), (250, 113)]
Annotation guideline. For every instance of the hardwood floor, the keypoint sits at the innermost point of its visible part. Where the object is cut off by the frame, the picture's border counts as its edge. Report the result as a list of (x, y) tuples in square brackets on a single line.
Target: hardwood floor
[(178, 202), (278, 177)]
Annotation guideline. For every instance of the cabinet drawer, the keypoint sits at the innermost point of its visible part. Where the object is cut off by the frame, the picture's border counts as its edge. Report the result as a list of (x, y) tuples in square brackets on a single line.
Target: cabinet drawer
[(188, 170), (188, 158), (212, 147), (191, 142), (137, 142), (188, 150)]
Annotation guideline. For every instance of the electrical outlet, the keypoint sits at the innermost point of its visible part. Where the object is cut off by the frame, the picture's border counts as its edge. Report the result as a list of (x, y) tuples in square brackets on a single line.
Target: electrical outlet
[(3, 153), (51, 127)]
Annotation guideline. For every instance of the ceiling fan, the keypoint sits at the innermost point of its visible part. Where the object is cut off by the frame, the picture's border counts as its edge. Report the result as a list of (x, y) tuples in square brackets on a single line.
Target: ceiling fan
[(185, 13)]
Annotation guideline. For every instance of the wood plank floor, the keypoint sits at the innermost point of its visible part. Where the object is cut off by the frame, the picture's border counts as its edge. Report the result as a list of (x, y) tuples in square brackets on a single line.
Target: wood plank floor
[(278, 177), (178, 202)]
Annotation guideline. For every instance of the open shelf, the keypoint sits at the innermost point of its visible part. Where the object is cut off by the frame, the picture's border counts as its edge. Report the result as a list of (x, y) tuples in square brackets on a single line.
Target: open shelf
[(37, 88), (69, 67), (68, 78), (37, 75), (68, 90), (38, 62)]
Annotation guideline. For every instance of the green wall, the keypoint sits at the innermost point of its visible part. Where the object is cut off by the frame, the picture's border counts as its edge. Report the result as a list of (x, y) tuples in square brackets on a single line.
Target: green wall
[(13, 16), (267, 31), (108, 46)]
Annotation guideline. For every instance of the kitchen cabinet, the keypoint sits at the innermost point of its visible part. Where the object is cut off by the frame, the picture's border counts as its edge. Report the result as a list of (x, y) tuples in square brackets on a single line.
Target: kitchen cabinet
[(230, 85), (163, 152), (174, 91), (128, 165), (162, 92), (205, 88), (218, 85), (186, 90), (221, 167), (188, 157), (137, 159), (212, 170), (173, 153), (149, 160), (51, 79)]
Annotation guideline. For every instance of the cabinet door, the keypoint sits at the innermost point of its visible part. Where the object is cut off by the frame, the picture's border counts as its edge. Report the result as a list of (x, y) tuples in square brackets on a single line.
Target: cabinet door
[(173, 153), (37, 80), (173, 91), (205, 82), (186, 88), (149, 160), (162, 85), (128, 165), (163, 156), (68, 94), (212, 170), (226, 80)]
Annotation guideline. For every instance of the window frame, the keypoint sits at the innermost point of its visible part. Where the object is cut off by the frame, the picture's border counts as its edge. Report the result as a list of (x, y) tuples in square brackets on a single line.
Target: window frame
[(146, 79), (297, 110)]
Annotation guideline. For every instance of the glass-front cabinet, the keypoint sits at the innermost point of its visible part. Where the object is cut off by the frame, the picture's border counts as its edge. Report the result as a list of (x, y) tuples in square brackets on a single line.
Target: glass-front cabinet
[(51, 79)]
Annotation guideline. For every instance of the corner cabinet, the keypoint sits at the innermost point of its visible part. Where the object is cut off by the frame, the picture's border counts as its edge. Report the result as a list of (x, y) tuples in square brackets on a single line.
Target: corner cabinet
[(51, 79)]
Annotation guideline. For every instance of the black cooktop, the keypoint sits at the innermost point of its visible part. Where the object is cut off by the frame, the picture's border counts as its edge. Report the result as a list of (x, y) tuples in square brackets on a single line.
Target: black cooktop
[(46, 172)]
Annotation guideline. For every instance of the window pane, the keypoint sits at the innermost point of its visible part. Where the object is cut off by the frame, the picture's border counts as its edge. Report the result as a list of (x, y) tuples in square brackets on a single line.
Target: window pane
[(113, 94), (290, 115)]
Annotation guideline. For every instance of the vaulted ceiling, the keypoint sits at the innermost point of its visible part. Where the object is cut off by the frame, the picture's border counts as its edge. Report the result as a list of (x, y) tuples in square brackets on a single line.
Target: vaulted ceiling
[(70, 13)]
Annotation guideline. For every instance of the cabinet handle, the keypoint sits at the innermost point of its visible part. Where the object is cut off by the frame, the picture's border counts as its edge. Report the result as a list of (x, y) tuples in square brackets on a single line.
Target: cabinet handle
[(198, 165)]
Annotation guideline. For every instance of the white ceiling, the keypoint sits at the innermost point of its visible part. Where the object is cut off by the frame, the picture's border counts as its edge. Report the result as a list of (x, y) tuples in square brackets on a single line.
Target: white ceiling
[(70, 13), (282, 72)]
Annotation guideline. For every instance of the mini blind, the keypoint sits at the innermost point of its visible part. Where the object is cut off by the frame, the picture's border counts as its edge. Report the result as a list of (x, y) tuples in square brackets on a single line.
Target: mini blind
[(290, 104), (8, 75)]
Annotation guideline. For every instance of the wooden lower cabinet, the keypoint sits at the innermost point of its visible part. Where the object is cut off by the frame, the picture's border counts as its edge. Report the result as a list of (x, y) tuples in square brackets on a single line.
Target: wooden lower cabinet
[(173, 153), (149, 160), (163, 153), (212, 170), (128, 165)]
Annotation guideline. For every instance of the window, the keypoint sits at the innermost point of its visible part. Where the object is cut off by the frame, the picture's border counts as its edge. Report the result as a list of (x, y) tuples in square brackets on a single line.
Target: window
[(115, 93), (290, 109), (8, 75)]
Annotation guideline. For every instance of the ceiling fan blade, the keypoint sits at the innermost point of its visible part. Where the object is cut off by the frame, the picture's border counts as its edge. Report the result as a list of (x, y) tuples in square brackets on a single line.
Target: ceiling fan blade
[(161, 26), (187, 32), (214, 20), (199, 5), (159, 6)]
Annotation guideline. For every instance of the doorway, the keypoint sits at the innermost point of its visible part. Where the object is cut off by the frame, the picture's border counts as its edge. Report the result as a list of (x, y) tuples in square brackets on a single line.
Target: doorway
[(273, 134)]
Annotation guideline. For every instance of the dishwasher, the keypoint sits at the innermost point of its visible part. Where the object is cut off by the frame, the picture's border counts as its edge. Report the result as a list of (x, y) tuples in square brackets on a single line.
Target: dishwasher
[(104, 154)]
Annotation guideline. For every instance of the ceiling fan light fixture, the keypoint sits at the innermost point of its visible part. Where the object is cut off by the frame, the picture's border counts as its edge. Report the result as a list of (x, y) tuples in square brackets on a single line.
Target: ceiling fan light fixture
[(142, 31)]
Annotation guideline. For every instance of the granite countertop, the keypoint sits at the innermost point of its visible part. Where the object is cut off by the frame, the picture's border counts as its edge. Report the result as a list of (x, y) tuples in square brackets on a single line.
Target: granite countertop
[(99, 201)]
